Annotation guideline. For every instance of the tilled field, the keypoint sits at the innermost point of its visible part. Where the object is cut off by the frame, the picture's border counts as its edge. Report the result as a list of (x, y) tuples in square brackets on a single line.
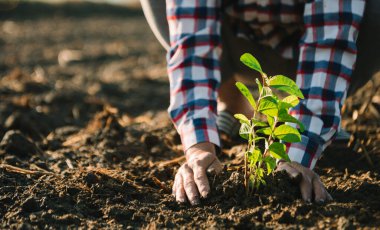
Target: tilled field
[(86, 140)]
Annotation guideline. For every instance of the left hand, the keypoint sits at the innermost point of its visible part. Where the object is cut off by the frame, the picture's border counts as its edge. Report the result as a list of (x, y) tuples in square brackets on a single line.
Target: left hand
[(190, 182), (310, 183)]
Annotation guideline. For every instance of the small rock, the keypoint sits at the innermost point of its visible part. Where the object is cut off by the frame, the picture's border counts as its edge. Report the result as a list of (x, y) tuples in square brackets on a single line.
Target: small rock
[(30, 205), (91, 178), (14, 142), (150, 140), (66, 57), (156, 150)]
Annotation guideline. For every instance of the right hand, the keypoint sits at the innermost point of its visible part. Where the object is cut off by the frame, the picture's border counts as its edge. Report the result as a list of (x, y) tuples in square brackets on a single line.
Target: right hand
[(191, 181), (309, 181)]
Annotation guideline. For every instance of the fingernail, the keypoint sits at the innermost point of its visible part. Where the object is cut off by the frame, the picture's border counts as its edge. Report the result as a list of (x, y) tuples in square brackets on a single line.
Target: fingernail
[(211, 171), (180, 201), (294, 175), (195, 202), (204, 194)]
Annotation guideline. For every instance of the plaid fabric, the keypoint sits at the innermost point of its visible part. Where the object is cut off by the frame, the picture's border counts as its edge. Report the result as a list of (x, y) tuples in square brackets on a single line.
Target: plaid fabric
[(327, 53), (327, 57)]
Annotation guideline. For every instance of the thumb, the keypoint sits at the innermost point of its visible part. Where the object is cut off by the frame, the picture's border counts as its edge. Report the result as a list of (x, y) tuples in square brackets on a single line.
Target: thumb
[(216, 167)]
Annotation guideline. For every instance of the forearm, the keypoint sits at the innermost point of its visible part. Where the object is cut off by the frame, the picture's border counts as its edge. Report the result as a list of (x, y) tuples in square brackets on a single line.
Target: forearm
[(327, 58), (193, 69)]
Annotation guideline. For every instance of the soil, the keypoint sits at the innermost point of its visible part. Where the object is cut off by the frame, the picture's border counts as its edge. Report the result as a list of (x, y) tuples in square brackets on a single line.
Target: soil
[(86, 140)]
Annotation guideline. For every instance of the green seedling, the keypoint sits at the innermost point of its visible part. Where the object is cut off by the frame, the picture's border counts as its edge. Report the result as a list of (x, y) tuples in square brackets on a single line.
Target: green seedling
[(267, 124)]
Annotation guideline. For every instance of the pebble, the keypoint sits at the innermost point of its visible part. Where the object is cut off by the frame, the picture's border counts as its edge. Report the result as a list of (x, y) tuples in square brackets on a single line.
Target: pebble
[(90, 179), (15, 143), (150, 140)]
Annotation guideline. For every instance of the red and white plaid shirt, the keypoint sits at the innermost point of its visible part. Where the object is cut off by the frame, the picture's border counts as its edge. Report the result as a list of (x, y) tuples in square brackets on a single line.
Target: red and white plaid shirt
[(327, 53)]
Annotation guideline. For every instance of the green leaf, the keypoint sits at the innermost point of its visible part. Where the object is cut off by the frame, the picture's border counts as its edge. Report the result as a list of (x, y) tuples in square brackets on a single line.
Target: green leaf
[(247, 94), (278, 151), (263, 182), (285, 84), (267, 131), (270, 163), (292, 100), (258, 123), (242, 118), (260, 172), (270, 122), (268, 106), (254, 156), (283, 116), (287, 133), (288, 102), (266, 92), (250, 61), (245, 130), (259, 85), (253, 183)]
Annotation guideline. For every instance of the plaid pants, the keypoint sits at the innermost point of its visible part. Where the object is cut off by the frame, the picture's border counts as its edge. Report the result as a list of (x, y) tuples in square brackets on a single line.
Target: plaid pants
[(321, 35)]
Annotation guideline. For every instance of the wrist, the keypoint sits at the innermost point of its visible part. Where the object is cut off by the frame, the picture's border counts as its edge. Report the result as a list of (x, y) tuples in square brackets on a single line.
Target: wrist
[(200, 148)]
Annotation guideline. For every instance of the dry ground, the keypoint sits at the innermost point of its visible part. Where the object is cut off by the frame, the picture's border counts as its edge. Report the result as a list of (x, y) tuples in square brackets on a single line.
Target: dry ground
[(85, 138)]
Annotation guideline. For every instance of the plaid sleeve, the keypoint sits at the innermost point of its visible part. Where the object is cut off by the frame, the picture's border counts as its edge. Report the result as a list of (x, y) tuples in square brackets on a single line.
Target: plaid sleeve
[(193, 69), (326, 60)]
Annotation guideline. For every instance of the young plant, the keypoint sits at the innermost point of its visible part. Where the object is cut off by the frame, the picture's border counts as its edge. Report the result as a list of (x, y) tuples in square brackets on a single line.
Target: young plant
[(269, 114)]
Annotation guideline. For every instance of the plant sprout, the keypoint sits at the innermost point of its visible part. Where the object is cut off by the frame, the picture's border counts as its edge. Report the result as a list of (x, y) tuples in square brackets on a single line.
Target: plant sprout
[(270, 124)]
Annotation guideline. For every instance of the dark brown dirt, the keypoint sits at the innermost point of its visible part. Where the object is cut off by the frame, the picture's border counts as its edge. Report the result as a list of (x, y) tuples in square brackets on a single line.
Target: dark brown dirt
[(85, 139)]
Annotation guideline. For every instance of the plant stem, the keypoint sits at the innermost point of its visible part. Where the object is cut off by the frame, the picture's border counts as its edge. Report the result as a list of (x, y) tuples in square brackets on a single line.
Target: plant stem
[(246, 172), (251, 145), (270, 139)]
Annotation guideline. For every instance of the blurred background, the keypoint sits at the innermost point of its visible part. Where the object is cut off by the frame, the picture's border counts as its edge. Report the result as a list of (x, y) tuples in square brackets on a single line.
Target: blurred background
[(63, 56)]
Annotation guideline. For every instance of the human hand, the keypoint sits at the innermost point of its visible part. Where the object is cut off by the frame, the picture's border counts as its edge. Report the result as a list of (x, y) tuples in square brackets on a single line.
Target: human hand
[(309, 181), (191, 181)]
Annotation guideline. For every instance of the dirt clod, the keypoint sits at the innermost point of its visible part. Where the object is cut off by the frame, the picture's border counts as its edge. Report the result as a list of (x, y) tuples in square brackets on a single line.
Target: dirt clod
[(14, 142), (91, 178), (30, 205)]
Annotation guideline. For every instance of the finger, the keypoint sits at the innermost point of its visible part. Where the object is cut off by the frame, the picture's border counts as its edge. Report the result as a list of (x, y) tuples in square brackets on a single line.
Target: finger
[(180, 195), (327, 194), (201, 180), (320, 192), (216, 167), (292, 172), (190, 186), (306, 188), (174, 186)]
